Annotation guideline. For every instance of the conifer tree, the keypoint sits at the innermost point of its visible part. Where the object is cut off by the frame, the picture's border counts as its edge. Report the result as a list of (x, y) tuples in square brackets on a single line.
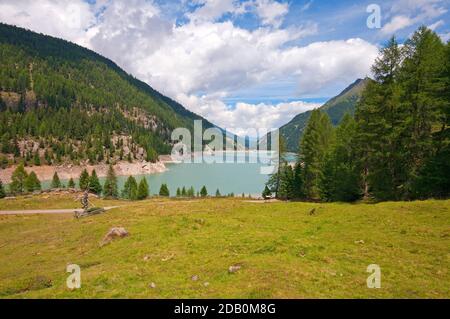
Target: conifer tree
[(314, 146), (266, 192), (71, 183), (164, 191), (130, 189), (203, 192), (218, 193), (56, 182), (18, 178), (143, 189), (84, 180), (32, 183), (183, 192), (2, 190), (110, 188), (94, 183)]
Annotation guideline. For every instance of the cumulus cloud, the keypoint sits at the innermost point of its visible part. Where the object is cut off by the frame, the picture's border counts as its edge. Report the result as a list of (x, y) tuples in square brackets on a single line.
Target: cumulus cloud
[(62, 19), (203, 60), (405, 13), (245, 115)]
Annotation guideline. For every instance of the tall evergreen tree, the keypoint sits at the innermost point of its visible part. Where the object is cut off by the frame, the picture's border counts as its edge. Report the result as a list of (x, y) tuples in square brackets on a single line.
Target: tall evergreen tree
[(164, 191), (130, 189), (143, 189), (110, 188), (71, 183), (32, 183), (56, 182), (424, 81), (94, 183), (84, 180), (316, 140), (2, 190), (18, 178), (203, 192), (341, 175)]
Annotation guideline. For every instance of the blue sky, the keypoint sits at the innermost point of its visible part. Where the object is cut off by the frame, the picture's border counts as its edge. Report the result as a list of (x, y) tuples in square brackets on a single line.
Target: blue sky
[(238, 63)]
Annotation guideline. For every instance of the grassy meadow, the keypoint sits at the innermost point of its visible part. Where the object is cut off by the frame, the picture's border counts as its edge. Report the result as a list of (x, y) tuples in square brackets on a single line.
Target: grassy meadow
[(283, 251)]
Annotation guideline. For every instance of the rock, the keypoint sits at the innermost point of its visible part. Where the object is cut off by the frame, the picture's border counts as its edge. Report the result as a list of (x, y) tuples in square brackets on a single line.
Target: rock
[(234, 268), (302, 254), (359, 241), (312, 212), (115, 232), (146, 258), (194, 278), (206, 284), (152, 285)]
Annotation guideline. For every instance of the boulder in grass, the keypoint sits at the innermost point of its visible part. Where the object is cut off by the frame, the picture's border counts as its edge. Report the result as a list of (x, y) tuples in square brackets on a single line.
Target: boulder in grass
[(234, 268), (115, 232)]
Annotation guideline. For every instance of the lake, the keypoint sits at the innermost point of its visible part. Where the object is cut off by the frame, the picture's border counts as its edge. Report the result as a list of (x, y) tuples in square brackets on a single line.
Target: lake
[(234, 178)]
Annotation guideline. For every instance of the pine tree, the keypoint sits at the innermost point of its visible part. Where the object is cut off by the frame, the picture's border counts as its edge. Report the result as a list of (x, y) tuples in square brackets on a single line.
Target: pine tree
[(143, 190), (36, 159), (56, 183), (298, 189), (71, 183), (110, 188), (218, 193), (94, 184), (340, 178), (424, 81), (203, 192), (286, 183), (18, 178), (32, 183), (84, 180), (2, 190), (178, 192), (266, 192), (164, 191), (183, 192), (316, 140), (191, 192), (130, 189)]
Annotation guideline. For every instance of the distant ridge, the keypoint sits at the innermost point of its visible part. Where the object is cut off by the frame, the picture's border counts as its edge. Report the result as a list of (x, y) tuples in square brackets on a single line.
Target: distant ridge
[(336, 108)]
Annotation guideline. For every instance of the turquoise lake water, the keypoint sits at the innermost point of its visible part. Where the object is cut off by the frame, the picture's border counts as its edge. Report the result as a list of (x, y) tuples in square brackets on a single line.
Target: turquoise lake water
[(234, 178)]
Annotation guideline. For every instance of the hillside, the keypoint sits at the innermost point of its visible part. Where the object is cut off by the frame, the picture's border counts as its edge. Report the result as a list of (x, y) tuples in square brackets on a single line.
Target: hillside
[(283, 251), (335, 108), (60, 102)]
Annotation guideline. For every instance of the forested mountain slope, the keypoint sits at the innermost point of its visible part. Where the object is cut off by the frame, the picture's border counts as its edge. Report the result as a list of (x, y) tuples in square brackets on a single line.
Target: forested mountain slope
[(336, 108), (60, 102)]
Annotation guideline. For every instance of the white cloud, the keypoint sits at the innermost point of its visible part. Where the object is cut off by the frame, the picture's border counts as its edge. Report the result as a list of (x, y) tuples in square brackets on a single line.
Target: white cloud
[(63, 19), (202, 61), (271, 12), (397, 23), (436, 25), (406, 13), (245, 115), (445, 37)]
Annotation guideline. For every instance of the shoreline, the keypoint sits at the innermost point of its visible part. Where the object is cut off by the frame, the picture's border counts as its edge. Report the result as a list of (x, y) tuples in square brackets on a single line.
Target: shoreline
[(65, 172)]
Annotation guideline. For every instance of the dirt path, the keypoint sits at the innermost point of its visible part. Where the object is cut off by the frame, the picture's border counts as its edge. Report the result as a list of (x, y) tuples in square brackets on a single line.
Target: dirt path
[(46, 211)]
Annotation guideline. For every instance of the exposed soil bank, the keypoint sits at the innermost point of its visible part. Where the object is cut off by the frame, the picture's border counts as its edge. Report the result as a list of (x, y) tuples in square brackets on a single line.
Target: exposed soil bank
[(66, 172)]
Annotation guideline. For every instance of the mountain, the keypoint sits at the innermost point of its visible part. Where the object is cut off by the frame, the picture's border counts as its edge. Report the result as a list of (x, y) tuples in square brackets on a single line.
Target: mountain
[(64, 103), (336, 108)]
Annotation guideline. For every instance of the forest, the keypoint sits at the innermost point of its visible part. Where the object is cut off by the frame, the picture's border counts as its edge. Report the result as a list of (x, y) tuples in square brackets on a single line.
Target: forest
[(63, 103), (395, 147)]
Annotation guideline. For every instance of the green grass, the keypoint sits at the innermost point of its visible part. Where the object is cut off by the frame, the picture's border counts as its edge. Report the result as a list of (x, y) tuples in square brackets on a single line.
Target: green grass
[(284, 252), (53, 201)]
